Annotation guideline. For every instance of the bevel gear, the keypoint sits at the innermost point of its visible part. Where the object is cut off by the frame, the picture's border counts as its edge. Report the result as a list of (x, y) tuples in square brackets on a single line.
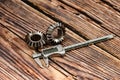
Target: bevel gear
[(60, 33), (35, 39)]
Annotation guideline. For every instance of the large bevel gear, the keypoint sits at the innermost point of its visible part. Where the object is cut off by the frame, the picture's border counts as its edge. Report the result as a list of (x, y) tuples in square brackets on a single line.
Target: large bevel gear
[(35, 39), (60, 33)]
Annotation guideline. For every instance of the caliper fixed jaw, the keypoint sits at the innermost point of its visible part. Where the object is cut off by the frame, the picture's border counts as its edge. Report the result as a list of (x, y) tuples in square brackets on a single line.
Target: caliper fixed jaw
[(41, 60)]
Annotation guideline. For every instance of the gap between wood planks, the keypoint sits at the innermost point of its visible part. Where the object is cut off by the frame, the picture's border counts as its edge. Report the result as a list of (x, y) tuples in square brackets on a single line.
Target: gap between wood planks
[(57, 18), (78, 12), (17, 45), (29, 49), (16, 31), (113, 3), (58, 60), (86, 13), (24, 62)]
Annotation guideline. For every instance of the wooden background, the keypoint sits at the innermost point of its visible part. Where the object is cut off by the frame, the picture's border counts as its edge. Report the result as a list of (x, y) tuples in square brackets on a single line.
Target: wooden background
[(84, 20)]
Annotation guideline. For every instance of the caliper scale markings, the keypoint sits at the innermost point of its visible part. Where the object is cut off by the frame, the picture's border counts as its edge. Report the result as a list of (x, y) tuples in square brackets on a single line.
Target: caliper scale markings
[(58, 49)]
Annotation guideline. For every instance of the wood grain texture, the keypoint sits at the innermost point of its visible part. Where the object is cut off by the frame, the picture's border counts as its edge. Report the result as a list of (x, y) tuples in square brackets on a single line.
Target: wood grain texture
[(23, 49), (80, 25), (108, 18), (115, 4), (23, 62), (88, 63)]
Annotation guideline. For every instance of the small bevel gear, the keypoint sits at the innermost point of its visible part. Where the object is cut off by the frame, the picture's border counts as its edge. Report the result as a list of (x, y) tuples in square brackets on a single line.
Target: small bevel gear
[(35, 39), (60, 33)]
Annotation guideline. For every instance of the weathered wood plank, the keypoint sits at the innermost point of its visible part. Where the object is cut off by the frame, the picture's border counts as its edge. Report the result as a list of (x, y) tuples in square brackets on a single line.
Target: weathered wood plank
[(10, 77), (108, 18), (19, 65), (9, 70), (3, 76), (21, 32), (21, 61), (113, 3), (84, 67), (73, 54), (80, 25), (10, 37), (83, 53), (75, 73)]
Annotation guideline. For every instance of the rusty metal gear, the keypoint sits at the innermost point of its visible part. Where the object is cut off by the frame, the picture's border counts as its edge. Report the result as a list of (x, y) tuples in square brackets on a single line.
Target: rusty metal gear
[(35, 39), (60, 33)]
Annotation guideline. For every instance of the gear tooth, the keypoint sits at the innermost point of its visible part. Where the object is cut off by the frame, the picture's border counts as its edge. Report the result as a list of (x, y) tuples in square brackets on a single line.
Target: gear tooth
[(32, 32), (49, 31), (62, 38), (35, 44), (40, 33), (31, 44), (27, 41), (58, 24), (49, 39), (53, 26), (44, 42), (48, 36), (39, 44)]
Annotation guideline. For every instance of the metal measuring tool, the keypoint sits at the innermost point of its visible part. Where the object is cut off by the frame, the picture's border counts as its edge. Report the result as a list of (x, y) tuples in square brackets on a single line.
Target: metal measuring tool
[(58, 49)]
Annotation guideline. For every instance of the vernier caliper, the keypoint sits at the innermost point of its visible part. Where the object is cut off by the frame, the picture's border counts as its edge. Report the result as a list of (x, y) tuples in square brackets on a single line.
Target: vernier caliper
[(58, 49)]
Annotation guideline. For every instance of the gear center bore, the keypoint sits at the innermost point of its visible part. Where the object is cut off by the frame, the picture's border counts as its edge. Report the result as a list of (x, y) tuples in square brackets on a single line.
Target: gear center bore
[(35, 37)]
